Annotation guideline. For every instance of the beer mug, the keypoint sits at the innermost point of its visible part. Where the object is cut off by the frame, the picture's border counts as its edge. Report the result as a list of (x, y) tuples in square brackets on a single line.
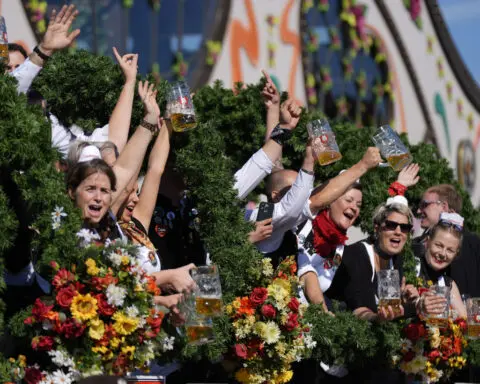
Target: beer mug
[(473, 317), (392, 148), (4, 59), (208, 290), (388, 290), (324, 146), (180, 107), (198, 328), (440, 319)]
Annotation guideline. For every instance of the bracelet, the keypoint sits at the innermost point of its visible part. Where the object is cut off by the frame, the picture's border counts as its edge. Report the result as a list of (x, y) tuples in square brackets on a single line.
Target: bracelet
[(42, 55), (151, 127), (397, 189), (280, 135), (308, 172)]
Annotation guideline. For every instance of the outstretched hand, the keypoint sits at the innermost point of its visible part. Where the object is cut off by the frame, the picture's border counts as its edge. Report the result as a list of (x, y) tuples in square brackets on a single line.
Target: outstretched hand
[(408, 176), (57, 35), (128, 63), (270, 94), (148, 95), (290, 113)]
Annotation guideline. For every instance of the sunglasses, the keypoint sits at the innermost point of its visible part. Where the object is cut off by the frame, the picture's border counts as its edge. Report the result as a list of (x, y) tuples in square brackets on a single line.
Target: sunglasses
[(389, 225), (449, 224), (425, 203)]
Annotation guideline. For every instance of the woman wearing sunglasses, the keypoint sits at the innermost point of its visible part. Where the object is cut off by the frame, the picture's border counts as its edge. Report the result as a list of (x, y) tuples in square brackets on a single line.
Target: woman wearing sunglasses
[(355, 282), (442, 247)]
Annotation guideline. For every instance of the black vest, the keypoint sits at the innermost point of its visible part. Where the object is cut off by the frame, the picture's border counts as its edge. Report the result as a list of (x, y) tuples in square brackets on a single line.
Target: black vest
[(288, 247)]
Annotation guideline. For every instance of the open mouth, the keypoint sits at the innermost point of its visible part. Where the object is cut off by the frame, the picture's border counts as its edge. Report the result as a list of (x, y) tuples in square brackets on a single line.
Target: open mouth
[(130, 208), (438, 260), (349, 215), (95, 210), (395, 243)]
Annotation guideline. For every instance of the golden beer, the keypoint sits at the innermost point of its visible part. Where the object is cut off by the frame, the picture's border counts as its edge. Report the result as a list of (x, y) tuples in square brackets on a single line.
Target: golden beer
[(199, 333), (398, 162), (183, 122), (473, 331), (4, 58), (328, 157), (437, 321), (209, 306), (394, 303)]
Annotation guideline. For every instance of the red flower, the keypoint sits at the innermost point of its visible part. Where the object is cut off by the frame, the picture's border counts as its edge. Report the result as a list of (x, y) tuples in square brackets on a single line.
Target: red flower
[(101, 283), (268, 311), (457, 345), (54, 265), (42, 343), (40, 309), (433, 355), (292, 322), (33, 375), (255, 347), (462, 324), (65, 296), (78, 286), (29, 320), (62, 278), (414, 332), (409, 356), (104, 308), (258, 296), (155, 322), (241, 350), (70, 328), (294, 304)]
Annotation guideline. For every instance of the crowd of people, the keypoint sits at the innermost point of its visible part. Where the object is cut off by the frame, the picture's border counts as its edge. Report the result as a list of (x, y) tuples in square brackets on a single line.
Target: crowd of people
[(154, 211)]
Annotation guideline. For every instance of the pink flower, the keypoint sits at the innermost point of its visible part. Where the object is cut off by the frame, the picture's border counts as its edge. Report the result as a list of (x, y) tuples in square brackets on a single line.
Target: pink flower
[(415, 8), (360, 20)]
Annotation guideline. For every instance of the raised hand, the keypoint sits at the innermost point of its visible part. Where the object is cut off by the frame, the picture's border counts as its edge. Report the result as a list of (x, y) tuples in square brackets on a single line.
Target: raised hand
[(371, 158), (129, 65), (290, 114), (270, 94), (148, 96), (57, 35), (388, 314), (408, 176)]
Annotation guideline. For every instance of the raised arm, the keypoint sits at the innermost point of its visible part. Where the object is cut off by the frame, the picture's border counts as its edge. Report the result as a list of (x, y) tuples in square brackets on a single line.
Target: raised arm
[(156, 165), (337, 186), (57, 37), (119, 123), (271, 99), (132, 156)]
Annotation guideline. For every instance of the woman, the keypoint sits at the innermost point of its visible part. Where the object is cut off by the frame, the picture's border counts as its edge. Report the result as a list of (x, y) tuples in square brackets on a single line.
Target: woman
[(356, 279), (442, 247), (320, 250)]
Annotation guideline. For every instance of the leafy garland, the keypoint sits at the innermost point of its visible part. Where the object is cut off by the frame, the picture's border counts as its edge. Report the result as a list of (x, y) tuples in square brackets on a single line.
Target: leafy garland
[(82, 88)]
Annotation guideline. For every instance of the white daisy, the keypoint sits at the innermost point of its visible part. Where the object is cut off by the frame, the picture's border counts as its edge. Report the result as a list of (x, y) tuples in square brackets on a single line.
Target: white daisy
[(86, 236), (132, 311), (115, 258), (55, 225), (309, 342), (61, 358), (168, 344), (58, 213), (59, 377), (116, 295)]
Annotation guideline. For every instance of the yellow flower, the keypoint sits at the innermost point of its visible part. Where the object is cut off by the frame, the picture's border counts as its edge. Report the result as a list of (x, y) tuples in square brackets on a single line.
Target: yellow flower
[(97, 329), (101, 349), (267, 267), (229, 309), (236, 304), (285, 377), (124, 325), (281, 349), (278, 293), (283, 284), (270, 332), (22, 361), (84, 307), (435, 339), (129, 351), (92, 268), (242, 376), (125, 260), (115, 342)]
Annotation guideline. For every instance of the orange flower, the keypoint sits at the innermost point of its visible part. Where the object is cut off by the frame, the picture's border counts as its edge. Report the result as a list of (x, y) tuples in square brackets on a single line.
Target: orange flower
[(51, 315), (152, 286), (246, 307)]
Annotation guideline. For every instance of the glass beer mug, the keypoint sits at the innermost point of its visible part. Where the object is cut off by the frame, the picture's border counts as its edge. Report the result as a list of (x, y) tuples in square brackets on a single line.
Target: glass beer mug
[(389, 290), (392, 148), (324, 146), (4, 59), (208, 290), (198, 328), (180, 107), (473, 316)]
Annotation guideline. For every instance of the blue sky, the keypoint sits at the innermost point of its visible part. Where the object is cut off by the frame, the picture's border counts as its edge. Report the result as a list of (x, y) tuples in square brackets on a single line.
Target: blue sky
[(463, 20)]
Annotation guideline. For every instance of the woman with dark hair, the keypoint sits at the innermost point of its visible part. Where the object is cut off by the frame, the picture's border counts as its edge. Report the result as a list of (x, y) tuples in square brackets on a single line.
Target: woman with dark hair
[(442, 248)]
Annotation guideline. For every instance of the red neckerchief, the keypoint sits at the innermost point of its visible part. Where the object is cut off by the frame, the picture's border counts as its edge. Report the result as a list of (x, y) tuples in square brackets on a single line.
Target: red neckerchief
[(326, 235)]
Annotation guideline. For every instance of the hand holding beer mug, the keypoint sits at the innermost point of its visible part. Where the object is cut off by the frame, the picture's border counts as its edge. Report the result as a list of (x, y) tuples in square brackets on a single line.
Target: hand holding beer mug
[(473, 317), (180, 107), (392, 148), (389, 293), (208, 290), (198, 328), (4, 58), (324, 145), (436, 305)]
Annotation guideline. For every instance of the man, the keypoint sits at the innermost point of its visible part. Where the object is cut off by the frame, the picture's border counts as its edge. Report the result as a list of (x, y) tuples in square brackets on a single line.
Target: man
[(16, 56), (465, 270)]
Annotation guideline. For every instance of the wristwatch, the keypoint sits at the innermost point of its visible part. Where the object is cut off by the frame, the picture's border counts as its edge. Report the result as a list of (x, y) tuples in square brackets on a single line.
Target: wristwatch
[(42, 55), (280, 135)]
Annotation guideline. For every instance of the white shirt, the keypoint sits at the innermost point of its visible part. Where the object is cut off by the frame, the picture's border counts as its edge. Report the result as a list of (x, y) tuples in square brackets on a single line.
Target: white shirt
[(252, 173), (287, 213), (310, 261), (25, 73), (148, 260)]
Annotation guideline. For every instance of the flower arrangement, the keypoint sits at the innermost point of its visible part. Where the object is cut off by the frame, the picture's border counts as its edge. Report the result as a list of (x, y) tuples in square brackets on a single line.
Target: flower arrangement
[(100, 317), (432, 353), (269, 329)]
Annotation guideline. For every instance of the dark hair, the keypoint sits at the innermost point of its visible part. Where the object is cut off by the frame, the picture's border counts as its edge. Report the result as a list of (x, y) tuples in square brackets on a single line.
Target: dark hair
[(12, 47), (81, 171), (448, 194)]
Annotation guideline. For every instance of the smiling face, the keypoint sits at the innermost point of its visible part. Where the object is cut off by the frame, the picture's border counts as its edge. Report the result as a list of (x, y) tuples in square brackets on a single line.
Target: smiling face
[(132, 201), (391, 238), (93, 196), (442, 249), (345, 210)]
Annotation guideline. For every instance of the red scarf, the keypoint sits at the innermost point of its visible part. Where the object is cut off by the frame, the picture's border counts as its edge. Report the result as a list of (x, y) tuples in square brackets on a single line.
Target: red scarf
[(326, 235)]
